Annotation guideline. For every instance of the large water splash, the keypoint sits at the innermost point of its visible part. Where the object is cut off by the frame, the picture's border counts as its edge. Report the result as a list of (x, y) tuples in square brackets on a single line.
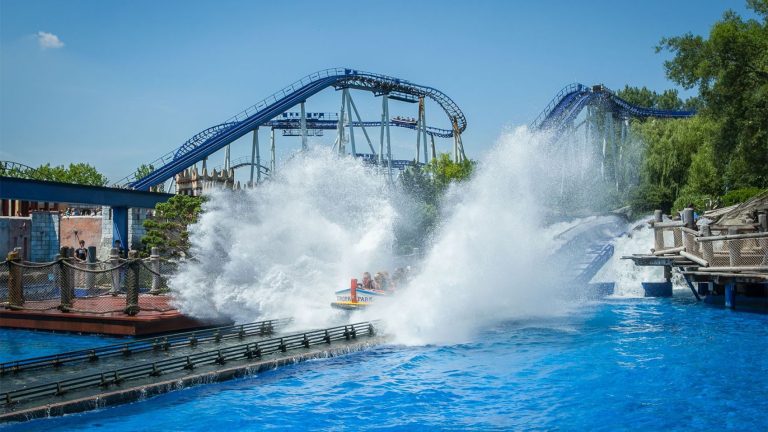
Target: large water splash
[(281, 250), (489, 260), (624, 273)]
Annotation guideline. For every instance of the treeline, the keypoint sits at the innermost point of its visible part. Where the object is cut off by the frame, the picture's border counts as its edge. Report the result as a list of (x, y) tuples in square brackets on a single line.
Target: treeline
[(719, 156), (77, 173)]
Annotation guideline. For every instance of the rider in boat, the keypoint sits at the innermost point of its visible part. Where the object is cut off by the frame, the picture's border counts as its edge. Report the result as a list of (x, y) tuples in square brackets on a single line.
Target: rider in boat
[(367, 281)]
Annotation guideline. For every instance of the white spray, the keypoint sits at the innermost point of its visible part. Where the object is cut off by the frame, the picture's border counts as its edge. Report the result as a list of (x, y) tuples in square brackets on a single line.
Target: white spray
[(488, 262), (281, 250)]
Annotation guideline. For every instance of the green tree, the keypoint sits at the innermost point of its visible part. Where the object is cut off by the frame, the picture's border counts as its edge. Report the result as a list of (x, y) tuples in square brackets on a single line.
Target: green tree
[(145, 170), (668, 99), (730, 69), (167, 229), (672, 148), (445, 171), (77, 173), (426, 185)]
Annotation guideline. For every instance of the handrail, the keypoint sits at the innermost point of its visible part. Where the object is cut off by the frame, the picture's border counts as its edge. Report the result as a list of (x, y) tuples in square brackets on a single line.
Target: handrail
[(148, 344), (221, 356), (759, 235)]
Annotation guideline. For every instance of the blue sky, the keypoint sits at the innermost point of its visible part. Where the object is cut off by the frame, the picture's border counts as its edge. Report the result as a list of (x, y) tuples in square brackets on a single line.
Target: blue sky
[(117, 84)]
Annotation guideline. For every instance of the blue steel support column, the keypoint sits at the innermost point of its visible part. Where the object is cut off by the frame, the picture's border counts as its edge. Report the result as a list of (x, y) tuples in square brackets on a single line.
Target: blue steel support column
[(353, 148), (340, 134), (120, 227), (254, 152), (385, 103), (362, 126), (303, 123), (730, 295), (273, 161)]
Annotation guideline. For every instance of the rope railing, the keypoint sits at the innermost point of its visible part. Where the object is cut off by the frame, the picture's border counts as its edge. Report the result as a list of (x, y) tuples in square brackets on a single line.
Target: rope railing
[(127, 285), (241, 352)]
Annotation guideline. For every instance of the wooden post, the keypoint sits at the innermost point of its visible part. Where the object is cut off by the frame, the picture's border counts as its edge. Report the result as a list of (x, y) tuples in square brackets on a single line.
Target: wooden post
[(66, 285), (688, 218), (132, 284), (90, 278), (730, 295), (658, 232), (706, 247), (762, 219), (15, 284), (154, 257), (114, 261)]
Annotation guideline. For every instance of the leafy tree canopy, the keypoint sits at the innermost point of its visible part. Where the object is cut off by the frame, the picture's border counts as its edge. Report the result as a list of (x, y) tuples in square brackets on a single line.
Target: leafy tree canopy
[(730, 69), (77, 173), (668, 99), (167, 230)]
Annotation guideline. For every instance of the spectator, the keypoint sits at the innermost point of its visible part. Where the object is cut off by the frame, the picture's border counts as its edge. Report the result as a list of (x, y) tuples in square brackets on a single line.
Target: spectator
[(81, 253)]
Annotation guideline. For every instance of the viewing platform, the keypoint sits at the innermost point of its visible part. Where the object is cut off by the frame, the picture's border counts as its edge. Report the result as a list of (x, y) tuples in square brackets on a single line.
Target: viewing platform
[(722, 263), (125, 297)]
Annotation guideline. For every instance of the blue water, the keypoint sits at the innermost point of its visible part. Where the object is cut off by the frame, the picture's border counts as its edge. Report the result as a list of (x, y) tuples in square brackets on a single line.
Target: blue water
[(640, 364), (18, 344)]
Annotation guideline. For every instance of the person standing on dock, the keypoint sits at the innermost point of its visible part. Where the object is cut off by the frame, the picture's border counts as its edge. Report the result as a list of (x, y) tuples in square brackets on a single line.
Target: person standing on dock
[(81, 253)]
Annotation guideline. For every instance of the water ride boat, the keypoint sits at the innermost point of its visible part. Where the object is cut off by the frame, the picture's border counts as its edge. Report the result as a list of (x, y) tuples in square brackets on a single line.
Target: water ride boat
[(356, 297)]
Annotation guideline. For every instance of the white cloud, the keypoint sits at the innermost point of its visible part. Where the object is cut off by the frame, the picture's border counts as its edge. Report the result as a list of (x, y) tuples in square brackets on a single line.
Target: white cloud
[(48, 40)]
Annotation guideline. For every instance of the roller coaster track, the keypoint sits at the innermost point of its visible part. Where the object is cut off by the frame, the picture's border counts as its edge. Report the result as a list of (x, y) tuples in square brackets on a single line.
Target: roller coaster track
[(214, 138), (293, 123), (569, 102), (15, 169)]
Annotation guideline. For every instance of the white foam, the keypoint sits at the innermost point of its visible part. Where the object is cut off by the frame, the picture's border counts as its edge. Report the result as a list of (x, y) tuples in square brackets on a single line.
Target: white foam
[(281, 250)]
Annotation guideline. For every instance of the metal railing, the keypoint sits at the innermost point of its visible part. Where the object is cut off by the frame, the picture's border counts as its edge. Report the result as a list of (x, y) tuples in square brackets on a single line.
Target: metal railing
[(244, 352), (165, 343)]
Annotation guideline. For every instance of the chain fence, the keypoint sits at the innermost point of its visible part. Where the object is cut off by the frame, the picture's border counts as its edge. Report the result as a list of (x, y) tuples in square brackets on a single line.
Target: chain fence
[(113, 286)]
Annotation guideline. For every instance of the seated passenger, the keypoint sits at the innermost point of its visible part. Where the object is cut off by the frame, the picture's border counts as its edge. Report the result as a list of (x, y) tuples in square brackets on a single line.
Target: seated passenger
[(367, 281), (380, 281)]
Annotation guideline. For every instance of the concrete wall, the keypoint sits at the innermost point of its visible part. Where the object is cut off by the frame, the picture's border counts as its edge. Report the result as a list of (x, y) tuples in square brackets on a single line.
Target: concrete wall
[(88, 229), (136, 231), (44, 244), (41, 235), (105, 245), (15, 232)]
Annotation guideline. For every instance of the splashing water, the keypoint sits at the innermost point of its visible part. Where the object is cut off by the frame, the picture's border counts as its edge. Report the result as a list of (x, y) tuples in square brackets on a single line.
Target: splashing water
[(624, 273), (281, 250), (488, 262)]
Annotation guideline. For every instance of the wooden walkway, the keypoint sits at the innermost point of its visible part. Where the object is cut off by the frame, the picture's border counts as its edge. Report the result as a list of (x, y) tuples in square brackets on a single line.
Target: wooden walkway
[(157, 315)]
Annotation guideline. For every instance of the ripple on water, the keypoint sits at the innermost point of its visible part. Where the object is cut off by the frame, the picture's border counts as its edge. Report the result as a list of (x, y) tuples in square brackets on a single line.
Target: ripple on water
[(647, 364)]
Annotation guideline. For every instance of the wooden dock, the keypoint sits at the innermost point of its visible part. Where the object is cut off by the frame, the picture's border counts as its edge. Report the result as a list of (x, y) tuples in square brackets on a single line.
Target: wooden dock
[(727, 267), (157, 315)]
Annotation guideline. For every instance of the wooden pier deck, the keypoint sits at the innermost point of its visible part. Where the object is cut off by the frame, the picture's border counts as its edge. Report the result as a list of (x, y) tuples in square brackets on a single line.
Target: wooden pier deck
[(157, 315)]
